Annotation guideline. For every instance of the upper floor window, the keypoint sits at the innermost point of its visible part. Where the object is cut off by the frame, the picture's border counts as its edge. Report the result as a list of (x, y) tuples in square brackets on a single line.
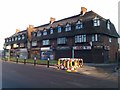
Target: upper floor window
[(45, 32), (46, 42), (16, 38), (96, 21), (34, 34), (12, 38), (9, 39), (19, 37), (62, 40), (95, 37), (68, 27), (23, 36), (80, 38), (34, 43), (110, 40), (79, 25), (59, 29), (51, 30), (108, 24), (38, 33)]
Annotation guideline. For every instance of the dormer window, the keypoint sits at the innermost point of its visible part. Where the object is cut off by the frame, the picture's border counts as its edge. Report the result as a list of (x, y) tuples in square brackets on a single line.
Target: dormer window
[(108, 25), (59, 29), (16, 38), (12, 38), (51, 30), (68, 27), (96, 21), (34, 34), (79, 25), (23, 36), (38, 33), (9, 39), (19, 37), (45, 32)]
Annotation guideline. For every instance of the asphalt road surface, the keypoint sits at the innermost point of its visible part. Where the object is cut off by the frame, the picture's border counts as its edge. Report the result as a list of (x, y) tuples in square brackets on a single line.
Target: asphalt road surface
[(29, 76)]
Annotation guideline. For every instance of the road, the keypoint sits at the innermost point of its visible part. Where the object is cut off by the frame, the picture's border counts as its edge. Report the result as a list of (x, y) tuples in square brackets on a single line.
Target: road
[(29, 76)]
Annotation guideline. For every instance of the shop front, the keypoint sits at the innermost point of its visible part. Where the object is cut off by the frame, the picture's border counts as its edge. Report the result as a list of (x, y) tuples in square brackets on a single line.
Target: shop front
[(63, 52), (46, 52)]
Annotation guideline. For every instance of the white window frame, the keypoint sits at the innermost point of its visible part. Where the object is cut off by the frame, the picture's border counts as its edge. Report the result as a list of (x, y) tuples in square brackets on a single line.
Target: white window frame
[(16, 38), (79, 25), (39, 34), (23, 36), (108, 25), (68, 27), (80, 38), (110, 39), (96, 21), (19, 38), (59, 28), (44, 32), (34, 43), (12, 38), (46, 42), (62, 40), (94, 37), (51, 30), (9, 39)]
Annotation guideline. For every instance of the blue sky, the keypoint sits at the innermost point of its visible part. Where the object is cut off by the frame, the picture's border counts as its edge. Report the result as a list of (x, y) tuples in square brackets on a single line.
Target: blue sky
[(20, 13)]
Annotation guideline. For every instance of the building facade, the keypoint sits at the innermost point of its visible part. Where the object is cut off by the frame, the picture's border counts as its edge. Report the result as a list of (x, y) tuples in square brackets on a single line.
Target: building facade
[(86, 35)]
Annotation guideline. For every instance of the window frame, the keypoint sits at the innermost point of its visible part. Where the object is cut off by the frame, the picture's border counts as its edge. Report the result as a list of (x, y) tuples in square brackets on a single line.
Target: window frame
[(39, 33), (51, 29), (96, 22), (59, 29), (68, 27), (79, 25), (81, 38), (44, 42), (61, 40), (45, 32), (108, 25)]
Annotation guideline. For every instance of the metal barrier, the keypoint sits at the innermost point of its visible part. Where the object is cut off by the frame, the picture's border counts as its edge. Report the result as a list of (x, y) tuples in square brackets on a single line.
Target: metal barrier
[(69, 64)]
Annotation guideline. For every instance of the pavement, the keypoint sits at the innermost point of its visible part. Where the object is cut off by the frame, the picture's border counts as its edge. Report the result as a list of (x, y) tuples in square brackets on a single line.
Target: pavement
[(106, 71)]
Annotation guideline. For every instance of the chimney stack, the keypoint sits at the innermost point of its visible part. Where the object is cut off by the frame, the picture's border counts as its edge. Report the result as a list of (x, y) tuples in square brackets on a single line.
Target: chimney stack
[(52, 20), (17, 31), (83, 10)]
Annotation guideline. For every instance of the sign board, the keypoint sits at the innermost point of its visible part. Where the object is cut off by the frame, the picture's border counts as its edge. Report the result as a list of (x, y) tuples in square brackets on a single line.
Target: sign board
[(82, 47)]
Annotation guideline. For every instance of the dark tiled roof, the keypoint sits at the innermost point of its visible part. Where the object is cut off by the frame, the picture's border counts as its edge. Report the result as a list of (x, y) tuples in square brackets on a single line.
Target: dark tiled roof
[(86, 17)]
